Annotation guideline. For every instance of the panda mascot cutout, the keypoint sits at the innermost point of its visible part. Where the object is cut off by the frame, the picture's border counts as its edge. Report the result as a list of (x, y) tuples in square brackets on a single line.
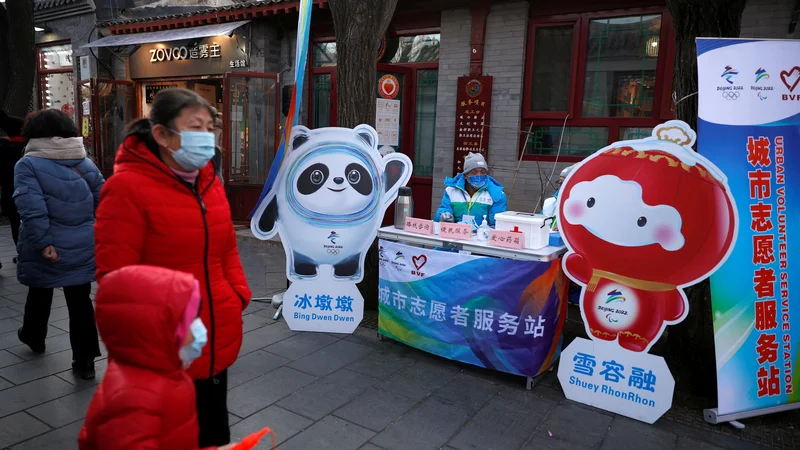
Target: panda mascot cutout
[(328, 200)]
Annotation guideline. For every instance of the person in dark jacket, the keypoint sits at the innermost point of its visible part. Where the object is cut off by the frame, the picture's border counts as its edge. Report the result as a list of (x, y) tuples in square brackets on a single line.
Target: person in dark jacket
[(57, 190), (12, 145)]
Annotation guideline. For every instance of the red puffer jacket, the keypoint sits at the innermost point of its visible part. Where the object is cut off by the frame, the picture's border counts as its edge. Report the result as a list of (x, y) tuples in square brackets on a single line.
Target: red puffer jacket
[(147, 215), (146, 400)]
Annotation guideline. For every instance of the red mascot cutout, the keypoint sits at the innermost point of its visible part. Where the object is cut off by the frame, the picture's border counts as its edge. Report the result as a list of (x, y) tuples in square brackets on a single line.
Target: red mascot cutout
[(642, 220)]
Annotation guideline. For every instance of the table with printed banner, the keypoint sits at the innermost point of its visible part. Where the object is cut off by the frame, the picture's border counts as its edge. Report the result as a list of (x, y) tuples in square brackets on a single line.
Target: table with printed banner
[(497, 308)]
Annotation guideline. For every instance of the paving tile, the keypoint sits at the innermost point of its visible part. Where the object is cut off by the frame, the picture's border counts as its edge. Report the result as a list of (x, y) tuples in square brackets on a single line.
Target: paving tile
[(429, 425), (6, 313), (251, 322), (7, 359), (5, 384), (375, 409), (419, 380), (253, 307), (553, 443), (34, 393), (19, 427), (382, 364), (505, 422), (62, 324), (100, 367), (64, 410), (301, 345), (10, 339), (331, 358), (65, 438), (562, 421), (9, 325), (468, 392), (253, 365), (265, 336), (57, 314), (330, 433), (17, 297), (369, 446), (265, 390), (37, 368), (53, 344), (687, 443), (283, 423), (233, 419), (629, 433), (322, 397)]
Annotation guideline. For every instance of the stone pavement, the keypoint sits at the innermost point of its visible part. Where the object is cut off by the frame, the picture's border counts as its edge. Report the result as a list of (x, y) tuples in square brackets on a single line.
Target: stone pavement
[(324, 391)]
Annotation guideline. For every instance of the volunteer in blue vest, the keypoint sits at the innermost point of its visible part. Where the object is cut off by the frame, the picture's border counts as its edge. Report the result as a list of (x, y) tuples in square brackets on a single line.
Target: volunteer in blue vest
[(472, 193)]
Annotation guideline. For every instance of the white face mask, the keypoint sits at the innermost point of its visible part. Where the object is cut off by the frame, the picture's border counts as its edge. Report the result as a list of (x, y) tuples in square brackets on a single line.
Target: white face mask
[(189, 353)]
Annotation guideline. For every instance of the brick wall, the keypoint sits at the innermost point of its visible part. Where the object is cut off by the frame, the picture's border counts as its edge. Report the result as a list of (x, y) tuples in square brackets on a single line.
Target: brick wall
[(768, 19), (453, 62)]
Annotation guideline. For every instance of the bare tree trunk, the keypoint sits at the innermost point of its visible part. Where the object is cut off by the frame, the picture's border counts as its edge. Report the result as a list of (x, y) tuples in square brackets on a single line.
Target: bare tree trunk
[(17, 56), (359, 25), (690, 346)]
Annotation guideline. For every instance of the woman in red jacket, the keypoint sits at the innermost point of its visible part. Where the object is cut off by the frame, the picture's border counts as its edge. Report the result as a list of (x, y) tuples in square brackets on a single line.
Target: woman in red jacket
[(148, 320), (165, 207)]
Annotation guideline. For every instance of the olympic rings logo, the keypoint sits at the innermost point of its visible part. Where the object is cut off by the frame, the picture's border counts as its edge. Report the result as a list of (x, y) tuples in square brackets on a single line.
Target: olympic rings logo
[(730, 95), (333, 251)]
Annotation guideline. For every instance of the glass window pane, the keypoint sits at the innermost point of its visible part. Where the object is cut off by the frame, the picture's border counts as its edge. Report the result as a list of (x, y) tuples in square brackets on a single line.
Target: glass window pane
[(58, 92), (322, 101), (411, 49), (630, 133), (55, 57), (115, 110), (325, 54), (621, 60), (425, 129), (577, 141), (252, 125), (552, 66)]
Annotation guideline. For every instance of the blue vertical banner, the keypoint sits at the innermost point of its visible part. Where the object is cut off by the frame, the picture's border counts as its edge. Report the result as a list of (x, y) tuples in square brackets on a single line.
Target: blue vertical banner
[(749, 127)]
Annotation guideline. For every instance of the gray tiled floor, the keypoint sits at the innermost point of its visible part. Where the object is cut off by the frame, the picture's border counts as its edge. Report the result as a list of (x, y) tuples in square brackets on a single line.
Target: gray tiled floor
[(323, 391)]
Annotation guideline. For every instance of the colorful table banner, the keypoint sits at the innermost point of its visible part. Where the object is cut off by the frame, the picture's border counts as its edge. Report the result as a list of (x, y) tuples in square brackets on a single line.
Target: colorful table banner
[(500, 314), (749, 126)]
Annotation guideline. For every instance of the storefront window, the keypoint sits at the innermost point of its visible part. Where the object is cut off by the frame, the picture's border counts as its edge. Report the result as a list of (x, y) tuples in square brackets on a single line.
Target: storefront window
[(56, 78), (399, 50), (425, 131), (621, 62), (321, 84), (576, 141), (604, 77), (551, 68)]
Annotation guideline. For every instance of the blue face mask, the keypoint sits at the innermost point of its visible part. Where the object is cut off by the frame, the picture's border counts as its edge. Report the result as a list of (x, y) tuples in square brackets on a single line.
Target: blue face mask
[(193, 351), (478, 181), (197, 149)]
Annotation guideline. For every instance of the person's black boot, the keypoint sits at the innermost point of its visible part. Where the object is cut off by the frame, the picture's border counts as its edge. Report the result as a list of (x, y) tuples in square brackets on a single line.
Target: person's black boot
[(35, 348), (84, 369)]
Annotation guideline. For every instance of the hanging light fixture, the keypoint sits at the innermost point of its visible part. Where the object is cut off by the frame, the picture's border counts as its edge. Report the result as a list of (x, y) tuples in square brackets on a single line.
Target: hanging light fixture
[(651, 48)]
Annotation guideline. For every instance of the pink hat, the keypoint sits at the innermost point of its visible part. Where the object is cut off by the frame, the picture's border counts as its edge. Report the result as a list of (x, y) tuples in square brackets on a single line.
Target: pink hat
[(192, 312)]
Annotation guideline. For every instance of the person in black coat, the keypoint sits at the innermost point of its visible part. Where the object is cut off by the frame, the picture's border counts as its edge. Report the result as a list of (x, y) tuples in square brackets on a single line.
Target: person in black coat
[(12, 147)]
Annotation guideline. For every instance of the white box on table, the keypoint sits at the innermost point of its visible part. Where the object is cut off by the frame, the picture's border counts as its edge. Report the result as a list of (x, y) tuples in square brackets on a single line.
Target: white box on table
[(537, 232)]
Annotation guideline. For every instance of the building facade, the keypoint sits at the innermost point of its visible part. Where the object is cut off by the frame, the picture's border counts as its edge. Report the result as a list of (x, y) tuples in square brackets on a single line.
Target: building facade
[(565, 81)]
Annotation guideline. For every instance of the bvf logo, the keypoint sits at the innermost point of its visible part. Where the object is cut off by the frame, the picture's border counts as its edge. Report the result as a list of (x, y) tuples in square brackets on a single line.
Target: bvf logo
[(791, 78), (419, 262)]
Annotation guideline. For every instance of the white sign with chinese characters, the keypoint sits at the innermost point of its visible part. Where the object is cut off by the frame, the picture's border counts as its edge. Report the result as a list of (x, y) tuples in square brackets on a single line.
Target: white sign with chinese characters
[(387, 120), (634, 384), (328, 307)]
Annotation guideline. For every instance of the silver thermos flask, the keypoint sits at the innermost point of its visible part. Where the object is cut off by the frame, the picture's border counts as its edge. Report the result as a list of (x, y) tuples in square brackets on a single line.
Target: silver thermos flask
[(403, 207)]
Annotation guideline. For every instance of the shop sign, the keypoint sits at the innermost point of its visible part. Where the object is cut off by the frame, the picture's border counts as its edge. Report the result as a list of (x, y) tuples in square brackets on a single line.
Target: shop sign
[(327, 203), (634, 246), (388, 86), (215, 55), (754, 138), (473, 111)]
